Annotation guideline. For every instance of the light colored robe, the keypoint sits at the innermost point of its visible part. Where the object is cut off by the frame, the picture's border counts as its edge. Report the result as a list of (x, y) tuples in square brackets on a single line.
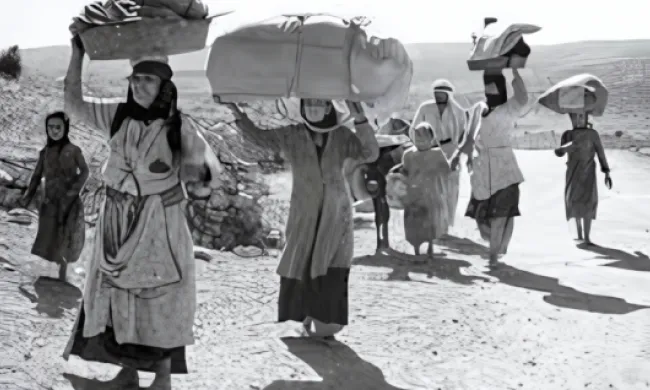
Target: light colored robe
[(160, 316), (319, 187), (450, 125), (496, 167)]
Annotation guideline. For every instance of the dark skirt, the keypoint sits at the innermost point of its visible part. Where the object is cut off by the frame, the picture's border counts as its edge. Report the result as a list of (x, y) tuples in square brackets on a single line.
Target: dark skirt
[(104, 348), (502, 204), (60, 240), (324, 298)]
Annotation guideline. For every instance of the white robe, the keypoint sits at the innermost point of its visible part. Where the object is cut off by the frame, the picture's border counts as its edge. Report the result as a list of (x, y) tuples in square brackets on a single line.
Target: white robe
[(449, 125)]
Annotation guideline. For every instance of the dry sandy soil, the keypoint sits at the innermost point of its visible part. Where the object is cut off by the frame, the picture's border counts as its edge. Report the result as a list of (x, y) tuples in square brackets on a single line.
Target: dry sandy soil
[(556, 316)]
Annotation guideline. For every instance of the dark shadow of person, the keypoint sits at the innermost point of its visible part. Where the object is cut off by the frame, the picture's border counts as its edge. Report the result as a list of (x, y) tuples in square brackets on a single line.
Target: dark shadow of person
[(638, 261), (339, 366), (559, 295), (79, 383), (402, 263), (53, 296)]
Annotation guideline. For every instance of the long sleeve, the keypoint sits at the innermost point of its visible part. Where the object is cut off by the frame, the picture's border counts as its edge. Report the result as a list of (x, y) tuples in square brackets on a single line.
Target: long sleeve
[(600, 152), (519, 88), (198, 158), (406, 163), (362, 146), (98, 113), (84, 172), (273, 139), (472, 125), (561, 151), (36, 178)]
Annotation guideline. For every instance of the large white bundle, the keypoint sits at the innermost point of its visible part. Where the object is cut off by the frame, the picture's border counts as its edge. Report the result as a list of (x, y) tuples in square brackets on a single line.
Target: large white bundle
[(322, 57)]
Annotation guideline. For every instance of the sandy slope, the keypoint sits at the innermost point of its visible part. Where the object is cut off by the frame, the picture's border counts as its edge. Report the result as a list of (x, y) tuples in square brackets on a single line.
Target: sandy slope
[(557, 318)]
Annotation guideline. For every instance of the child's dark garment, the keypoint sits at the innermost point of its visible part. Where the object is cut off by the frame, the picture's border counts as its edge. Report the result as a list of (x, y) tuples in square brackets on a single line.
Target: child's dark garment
[(61, 224)]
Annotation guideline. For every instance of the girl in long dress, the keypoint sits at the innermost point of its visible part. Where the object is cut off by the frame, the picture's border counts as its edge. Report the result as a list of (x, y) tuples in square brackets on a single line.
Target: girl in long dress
[(140, 294), (315, 264), (582, 144), (448, 120), (495, 174), (426, 206), (61, 226)]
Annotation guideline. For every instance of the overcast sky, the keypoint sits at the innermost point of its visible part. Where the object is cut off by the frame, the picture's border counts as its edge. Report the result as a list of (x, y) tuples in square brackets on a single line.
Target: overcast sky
[(34, 23)]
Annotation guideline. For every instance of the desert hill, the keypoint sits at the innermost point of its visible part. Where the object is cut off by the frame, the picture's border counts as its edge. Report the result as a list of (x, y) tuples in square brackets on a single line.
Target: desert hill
[(624, 66)]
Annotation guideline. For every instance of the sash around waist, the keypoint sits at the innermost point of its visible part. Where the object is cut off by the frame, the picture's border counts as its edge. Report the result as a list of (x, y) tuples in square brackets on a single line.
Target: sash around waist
[(170, 197)]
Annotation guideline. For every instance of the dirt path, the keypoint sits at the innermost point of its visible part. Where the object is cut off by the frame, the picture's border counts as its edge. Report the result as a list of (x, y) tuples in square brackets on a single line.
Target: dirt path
[(558, 317)]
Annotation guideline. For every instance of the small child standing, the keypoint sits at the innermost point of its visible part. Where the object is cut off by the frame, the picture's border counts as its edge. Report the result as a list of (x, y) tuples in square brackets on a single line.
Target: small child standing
[(61, 225)]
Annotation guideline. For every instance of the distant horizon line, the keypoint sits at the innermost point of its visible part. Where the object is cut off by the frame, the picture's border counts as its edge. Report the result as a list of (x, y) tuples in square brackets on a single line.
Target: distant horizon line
[(431, 43)]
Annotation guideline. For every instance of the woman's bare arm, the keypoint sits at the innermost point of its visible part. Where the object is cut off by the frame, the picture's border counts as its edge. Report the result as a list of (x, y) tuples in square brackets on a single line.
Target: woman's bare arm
[(96, 112)]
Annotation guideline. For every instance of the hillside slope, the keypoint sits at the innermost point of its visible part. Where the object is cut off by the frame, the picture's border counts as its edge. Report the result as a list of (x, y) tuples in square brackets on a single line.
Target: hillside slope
[(624, 66)]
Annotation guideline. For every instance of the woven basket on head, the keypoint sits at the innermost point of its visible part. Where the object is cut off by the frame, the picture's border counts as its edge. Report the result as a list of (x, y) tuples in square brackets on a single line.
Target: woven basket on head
[(123, 41)]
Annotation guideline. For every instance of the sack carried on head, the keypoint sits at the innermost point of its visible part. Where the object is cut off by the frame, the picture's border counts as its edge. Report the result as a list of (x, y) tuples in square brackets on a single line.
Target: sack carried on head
[(310, 56), (500, 45)]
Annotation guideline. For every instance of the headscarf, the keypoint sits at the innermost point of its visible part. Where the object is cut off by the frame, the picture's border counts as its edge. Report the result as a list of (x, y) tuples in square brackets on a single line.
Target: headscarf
[(444, 85), (66, 129), (493, 101), (337, 116), (154, 65), (421, 133), (165, 102)]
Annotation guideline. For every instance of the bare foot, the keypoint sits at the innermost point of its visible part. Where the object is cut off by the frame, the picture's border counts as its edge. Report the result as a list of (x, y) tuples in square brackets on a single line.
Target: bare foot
[(161, 382), (163, 379), (494, 260), (126, 379)]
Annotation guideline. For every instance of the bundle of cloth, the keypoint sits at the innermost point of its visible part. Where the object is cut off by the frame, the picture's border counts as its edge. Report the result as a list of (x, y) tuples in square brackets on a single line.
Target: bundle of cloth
[(311, 56), (498, 42), (124, 11), (579, 94)]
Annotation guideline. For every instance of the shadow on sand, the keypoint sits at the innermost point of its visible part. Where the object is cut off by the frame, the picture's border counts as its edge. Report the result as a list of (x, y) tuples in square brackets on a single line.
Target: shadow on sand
[(638, 261), (559, 295), (79, 383), (401, 264), (339, 366), (52, 296)]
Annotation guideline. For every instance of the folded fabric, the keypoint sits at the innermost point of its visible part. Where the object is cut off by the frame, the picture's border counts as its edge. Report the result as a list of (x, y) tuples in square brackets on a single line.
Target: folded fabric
[(187, 9), (582, 93), (125, 11), (499, 40), (314, 58)]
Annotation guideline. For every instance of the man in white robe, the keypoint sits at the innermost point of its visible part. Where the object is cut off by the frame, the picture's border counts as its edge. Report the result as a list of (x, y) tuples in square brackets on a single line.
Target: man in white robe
[(448, 120)]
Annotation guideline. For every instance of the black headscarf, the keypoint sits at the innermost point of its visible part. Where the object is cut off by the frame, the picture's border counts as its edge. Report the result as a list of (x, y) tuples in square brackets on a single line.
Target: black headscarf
[(66, 129), (165, 102), (330, 120), (493, 101)]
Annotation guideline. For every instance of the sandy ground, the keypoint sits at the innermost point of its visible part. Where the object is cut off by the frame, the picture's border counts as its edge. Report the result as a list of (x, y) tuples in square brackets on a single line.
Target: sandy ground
[(557, 317)]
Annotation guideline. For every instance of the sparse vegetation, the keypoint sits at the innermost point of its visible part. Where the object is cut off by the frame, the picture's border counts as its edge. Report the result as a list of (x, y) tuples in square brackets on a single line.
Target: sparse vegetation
[(11, 66)]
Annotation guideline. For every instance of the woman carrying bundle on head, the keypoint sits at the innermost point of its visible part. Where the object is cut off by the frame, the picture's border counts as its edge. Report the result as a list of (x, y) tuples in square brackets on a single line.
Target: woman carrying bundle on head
[(495, 174), (582, 144), (315, 265), (61, 225), (140, 296)]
